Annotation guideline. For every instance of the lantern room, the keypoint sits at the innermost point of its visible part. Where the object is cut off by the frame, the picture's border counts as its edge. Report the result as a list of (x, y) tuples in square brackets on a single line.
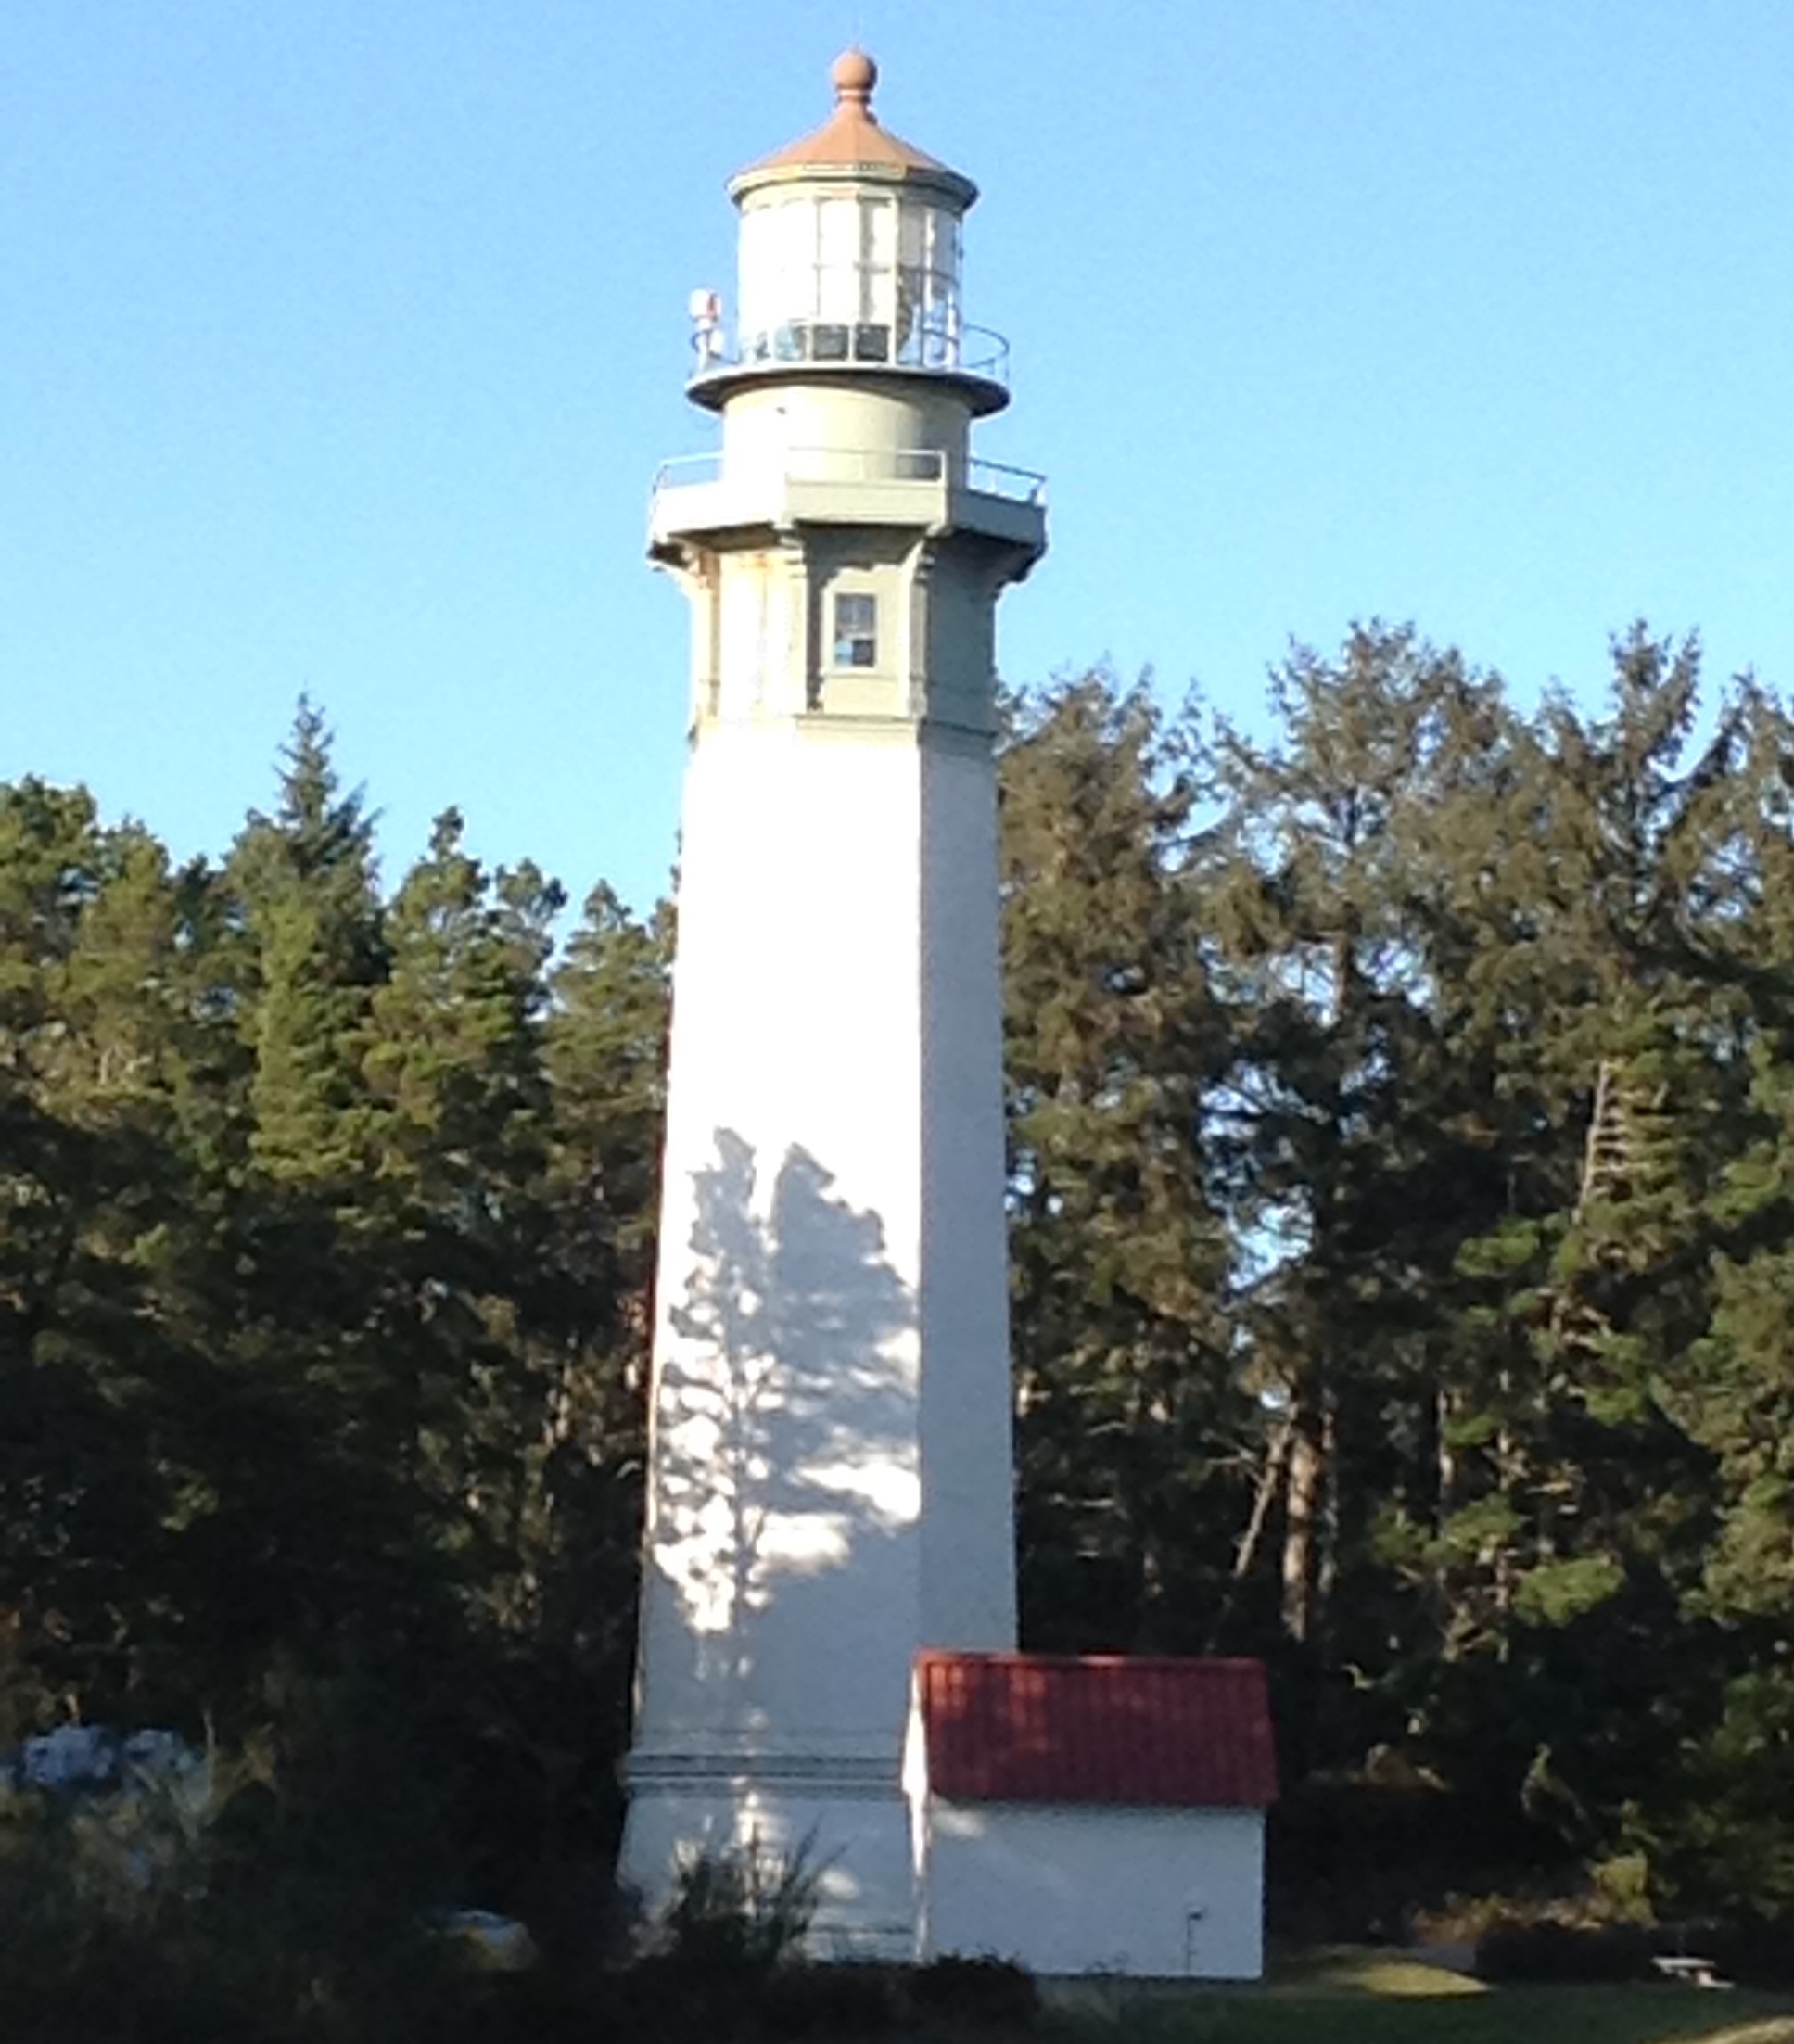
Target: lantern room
[(849, 263)]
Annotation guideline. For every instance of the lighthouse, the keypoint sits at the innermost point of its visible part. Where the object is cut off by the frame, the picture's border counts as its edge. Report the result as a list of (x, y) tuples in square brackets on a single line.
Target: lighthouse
[(830, 1478)]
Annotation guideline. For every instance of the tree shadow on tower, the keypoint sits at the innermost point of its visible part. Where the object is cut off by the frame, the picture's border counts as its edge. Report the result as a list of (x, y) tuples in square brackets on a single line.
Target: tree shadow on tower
[(786, 1482)]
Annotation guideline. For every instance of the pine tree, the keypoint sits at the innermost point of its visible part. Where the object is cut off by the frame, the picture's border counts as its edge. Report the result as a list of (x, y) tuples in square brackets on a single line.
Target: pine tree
[(605, 1048), (102, 1050), (307, 905), (1578, 1508), (1350, 1113), (1130, 1416)]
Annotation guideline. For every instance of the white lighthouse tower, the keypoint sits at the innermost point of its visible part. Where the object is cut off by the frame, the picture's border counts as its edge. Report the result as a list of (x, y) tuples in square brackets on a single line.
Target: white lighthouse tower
[(830, 1490)]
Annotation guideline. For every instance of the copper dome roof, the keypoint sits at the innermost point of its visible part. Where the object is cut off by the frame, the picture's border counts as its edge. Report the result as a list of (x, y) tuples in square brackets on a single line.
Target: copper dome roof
[(852, 142)]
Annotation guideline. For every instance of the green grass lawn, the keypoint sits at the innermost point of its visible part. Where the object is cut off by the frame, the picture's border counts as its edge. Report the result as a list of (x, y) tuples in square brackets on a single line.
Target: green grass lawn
[(1376, 1998)]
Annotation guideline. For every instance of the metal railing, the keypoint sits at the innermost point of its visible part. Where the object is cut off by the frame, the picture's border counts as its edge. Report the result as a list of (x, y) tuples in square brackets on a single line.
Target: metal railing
[(684, 470), (866, 464), (1022, 486), (864, 344)]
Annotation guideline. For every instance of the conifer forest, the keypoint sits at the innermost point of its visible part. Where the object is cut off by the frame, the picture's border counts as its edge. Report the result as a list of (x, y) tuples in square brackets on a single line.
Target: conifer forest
[(1401, 1111)]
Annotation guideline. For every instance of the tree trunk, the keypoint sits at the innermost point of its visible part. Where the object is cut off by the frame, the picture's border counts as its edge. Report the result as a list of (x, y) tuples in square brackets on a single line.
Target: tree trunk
[(1302, 1494), (1327, 1562), (1245, 1552)]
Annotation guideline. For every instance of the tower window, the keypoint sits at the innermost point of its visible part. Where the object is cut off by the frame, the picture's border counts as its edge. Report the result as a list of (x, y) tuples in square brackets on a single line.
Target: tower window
[(856, 630)]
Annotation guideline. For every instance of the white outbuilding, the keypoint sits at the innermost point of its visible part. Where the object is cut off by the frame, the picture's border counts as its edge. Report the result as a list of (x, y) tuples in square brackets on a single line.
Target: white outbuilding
[(1092, 1814)]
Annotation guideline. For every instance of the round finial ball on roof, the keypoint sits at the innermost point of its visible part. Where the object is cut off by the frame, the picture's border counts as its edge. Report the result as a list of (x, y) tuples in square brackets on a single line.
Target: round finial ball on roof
[(854, 75)]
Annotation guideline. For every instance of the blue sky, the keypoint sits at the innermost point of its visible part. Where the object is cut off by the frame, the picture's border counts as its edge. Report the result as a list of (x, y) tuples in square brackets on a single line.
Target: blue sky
[(339, 340)]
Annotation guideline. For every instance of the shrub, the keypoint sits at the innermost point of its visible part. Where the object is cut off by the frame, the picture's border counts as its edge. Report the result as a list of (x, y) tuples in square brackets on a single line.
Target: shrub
[(1549, 1951), (985, 1992), (829, 2002), (166, 1915), (745, 1910)]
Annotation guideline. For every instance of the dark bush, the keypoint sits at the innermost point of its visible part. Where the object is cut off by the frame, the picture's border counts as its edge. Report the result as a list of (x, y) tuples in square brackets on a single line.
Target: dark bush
[(1350, 1860), (660, 1997), (551, 2005), (740, 1913), (1548, 1952), (988, 1992), (245, 1903), (831, 2002)]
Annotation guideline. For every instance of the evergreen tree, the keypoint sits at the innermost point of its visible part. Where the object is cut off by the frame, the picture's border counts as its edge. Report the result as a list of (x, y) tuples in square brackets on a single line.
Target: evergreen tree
[(1130, 1415), (606, 1050), (1349, 1117), (306, 901)]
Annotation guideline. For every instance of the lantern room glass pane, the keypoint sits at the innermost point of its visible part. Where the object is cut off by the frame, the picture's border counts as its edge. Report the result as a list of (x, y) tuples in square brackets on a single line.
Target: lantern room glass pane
[(837, 260), (928, 287), (911, 237), (759, 229), (881, 216), (850, 277), (794, 274)]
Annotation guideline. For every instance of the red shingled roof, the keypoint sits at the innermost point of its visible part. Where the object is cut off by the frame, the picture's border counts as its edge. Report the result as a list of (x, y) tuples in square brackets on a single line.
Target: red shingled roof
[(1044, 1727)]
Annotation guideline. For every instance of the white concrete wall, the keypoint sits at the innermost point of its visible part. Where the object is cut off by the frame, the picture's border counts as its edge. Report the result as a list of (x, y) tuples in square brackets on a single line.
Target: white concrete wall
[(967, 1555), (784, 424), (1069, 1889), (857, 1845), (781, 1598), (831, 1346)]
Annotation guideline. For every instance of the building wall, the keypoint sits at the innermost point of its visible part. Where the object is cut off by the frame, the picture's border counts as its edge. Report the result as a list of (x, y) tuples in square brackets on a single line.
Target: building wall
[(822, 428), (827, 1355), (857, 1845), (967, 1456), (780, 1594), (1069, 1889)]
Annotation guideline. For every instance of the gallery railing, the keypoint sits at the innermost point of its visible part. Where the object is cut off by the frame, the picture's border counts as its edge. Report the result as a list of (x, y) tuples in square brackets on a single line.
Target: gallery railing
[(865, 464), (961, 351)]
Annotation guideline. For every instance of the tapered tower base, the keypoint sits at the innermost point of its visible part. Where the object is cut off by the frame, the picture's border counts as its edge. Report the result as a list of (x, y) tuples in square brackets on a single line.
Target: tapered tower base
[(856, 1844), (831, 1441)]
